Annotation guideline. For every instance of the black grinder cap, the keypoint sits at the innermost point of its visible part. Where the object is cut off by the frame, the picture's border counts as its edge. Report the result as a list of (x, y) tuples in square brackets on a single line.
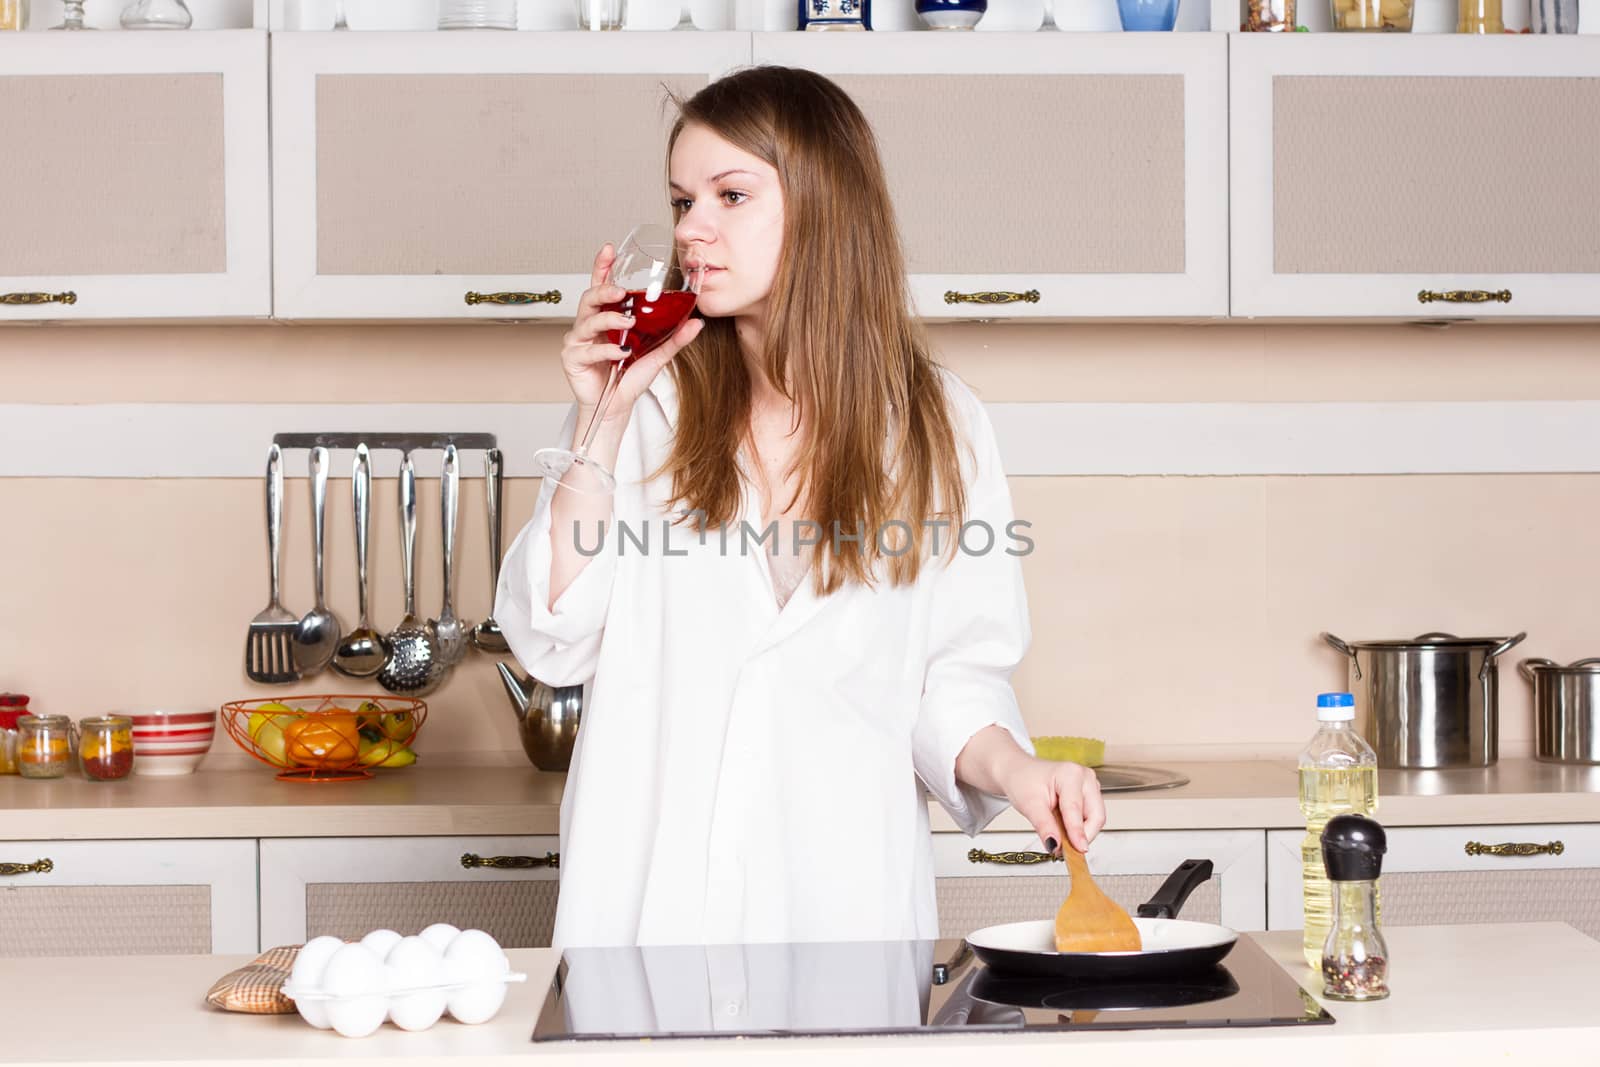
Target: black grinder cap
[(1353, 848)]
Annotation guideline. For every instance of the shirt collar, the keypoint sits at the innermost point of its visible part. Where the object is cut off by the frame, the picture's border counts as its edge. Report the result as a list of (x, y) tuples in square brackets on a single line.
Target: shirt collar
[(665, 389)]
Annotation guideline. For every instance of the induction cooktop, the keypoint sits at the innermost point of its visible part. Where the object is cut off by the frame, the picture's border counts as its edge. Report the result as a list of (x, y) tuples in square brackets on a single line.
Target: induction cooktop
[(893, 987)]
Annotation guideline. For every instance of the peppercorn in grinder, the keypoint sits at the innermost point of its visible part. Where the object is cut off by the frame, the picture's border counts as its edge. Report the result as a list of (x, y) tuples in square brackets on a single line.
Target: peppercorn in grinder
[(1355, 960)]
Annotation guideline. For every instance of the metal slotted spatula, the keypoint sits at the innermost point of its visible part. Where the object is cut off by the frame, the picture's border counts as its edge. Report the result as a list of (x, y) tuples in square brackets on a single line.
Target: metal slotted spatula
[(1090, 921), (269, 646)]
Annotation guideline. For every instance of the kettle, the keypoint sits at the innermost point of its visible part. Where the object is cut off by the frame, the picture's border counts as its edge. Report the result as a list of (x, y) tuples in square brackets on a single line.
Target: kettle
[(547, 718)]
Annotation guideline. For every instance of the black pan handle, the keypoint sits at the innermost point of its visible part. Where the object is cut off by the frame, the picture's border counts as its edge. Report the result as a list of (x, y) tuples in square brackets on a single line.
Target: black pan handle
[(1169, 899)]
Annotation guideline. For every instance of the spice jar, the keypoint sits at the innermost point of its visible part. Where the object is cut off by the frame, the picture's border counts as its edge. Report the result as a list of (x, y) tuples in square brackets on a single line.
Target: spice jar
[(105, 747), (13, 706), (1269, 16), (1355, 959), (44, 746), (1480, 16)]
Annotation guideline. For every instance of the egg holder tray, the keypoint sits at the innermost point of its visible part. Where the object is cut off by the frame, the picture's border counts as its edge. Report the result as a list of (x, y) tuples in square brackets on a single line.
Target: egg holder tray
[(294, 992)]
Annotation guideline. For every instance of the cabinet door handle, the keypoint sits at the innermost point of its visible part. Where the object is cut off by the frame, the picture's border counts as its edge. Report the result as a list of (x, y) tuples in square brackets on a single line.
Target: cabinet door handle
[(470, 860), (39, 298), (43, 866), (1554, 848), (1465, 296), (978, 855), (553, 296), (1029, 297)]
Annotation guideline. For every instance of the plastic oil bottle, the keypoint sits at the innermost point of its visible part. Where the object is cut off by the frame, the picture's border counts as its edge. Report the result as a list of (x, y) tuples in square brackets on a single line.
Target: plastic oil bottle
[(1338, 776)]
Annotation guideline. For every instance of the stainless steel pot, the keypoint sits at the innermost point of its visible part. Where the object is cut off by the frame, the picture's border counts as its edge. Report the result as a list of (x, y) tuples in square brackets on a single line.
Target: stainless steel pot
[(1431, 702), (1566, 710)]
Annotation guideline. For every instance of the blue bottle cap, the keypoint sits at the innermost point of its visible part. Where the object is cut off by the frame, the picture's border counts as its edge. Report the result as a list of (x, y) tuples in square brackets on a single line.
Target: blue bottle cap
[(1336, 700)]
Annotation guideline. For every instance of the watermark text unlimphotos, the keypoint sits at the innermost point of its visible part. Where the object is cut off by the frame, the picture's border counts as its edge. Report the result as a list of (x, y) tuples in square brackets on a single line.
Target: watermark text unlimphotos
[(892, 538)]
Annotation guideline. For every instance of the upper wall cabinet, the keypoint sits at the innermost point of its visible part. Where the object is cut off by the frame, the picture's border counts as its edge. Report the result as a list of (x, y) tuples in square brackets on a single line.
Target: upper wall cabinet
[(1425, 176), (468, 175), (1046, 175), (136, 176)]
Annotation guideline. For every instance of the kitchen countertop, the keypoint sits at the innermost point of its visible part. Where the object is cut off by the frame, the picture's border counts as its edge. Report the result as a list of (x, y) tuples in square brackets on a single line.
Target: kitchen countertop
[(465, 800), (1511, 993)]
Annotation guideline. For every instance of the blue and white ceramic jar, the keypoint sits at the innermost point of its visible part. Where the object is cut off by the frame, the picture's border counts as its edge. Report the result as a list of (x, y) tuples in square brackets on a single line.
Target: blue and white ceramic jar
[(951, 14), (835, 14)]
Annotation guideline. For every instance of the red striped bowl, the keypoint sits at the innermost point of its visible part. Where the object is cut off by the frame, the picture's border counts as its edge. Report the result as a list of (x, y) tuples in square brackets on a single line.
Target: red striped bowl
[(170, 742)]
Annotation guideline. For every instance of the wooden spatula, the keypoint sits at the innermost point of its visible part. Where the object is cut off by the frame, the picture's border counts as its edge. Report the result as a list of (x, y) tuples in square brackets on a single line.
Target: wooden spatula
[(1090, 921)]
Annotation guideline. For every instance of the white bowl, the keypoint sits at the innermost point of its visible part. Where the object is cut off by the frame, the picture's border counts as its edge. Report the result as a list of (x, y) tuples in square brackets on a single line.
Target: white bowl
[(170, 742)]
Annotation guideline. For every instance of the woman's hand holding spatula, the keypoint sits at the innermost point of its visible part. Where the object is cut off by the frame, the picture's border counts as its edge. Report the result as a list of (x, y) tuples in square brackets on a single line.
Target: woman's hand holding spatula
[(1090, 921)]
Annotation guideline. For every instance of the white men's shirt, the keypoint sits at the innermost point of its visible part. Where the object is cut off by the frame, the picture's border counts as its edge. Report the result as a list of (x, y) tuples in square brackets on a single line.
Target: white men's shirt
[(745, 773)]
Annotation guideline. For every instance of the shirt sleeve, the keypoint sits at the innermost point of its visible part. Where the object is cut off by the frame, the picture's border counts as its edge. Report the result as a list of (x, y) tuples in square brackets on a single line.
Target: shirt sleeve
[(558, 644), (979, 632)]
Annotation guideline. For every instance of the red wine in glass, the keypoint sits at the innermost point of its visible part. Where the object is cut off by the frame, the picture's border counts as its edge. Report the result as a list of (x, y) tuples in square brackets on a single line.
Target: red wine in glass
[(660, 286), (653, 320)]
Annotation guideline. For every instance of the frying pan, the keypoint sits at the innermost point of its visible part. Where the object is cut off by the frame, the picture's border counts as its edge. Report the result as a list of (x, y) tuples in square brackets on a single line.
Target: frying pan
[(1171, 947)]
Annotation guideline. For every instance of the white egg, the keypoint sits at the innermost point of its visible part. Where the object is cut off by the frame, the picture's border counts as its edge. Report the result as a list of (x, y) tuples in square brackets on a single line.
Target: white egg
[(412, 964), (354, 978), (439, 935), (381, 941), (309, 964), (476, 959)]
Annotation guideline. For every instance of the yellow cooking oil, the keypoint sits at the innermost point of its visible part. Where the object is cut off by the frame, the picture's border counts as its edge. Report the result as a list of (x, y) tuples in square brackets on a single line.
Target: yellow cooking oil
[(1324, 793)]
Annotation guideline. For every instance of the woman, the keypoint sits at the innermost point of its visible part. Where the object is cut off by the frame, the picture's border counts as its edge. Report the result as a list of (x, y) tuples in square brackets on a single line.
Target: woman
[(762, 709)]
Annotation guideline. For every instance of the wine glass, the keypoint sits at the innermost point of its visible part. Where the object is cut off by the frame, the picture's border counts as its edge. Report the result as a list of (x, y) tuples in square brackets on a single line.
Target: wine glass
[(660, 294)]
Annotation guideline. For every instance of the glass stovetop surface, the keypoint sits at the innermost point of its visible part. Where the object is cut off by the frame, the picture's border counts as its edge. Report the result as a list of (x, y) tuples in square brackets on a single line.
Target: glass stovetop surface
[(888, 987)]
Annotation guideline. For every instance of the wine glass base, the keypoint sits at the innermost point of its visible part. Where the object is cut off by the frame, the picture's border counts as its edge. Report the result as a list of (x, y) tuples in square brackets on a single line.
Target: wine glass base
[(577, 473)]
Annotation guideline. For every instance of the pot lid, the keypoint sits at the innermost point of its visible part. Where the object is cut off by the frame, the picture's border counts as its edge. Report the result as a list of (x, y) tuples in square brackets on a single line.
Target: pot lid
[(1582, 666), (1434, 640)]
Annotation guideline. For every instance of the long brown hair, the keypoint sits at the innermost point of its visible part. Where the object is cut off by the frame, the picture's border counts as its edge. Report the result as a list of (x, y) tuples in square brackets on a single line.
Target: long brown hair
[(881, 444)]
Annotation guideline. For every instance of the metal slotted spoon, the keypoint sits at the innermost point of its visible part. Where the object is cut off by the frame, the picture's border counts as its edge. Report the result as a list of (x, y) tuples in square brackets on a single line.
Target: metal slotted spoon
[(413, 668)]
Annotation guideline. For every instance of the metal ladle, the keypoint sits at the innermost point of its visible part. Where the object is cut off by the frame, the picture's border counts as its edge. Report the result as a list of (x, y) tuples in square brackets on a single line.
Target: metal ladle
[(362, 653), (487, 637), (316, 638), (414, 667)]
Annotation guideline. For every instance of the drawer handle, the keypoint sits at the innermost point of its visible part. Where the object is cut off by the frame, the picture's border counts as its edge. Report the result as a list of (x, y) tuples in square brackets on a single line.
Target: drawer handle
[(1554, 848), (551, 297), (953, 297), (978, 855), (43, 866), (511, 863), (39, 298), (1465, 296)]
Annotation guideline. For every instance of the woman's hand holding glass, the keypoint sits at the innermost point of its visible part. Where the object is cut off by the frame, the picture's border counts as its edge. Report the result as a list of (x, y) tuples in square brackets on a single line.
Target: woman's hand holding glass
[(606, 378)]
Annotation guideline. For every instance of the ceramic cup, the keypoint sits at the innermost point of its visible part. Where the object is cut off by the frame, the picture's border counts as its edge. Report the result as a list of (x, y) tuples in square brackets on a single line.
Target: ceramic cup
[(951, 14)]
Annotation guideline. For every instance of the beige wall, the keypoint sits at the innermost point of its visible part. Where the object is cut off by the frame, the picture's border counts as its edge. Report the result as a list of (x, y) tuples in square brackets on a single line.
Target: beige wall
[(1172, 616)]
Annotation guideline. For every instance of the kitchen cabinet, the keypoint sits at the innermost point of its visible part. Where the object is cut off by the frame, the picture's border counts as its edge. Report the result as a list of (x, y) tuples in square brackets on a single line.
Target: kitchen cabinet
[(1045, 175), (1001, 878), (119, 898), (468, 175), (1446, 875), (349, 887), (136, 176), (1418, 176)]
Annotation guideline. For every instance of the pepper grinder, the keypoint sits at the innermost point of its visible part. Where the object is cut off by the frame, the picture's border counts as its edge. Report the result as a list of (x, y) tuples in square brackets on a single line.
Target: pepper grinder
[(1355, 959)]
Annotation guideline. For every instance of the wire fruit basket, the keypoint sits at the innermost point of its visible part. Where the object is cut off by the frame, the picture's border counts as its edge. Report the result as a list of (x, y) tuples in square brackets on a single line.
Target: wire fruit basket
[(327, 737)]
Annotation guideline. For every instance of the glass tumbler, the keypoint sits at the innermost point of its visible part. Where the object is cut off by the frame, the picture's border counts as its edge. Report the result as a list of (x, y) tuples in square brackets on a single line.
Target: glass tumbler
[(478, 14), (1391, 15), (601, 14)]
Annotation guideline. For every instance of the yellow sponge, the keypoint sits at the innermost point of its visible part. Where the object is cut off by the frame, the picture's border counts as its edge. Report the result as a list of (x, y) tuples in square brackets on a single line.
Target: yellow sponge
[(1089, 751)]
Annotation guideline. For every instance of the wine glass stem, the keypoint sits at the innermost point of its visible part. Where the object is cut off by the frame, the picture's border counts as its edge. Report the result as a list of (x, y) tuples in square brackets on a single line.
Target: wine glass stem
[(600, 410)]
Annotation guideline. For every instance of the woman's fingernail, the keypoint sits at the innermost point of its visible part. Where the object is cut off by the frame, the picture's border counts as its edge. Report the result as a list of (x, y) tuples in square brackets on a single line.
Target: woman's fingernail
[(1050, 844)]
